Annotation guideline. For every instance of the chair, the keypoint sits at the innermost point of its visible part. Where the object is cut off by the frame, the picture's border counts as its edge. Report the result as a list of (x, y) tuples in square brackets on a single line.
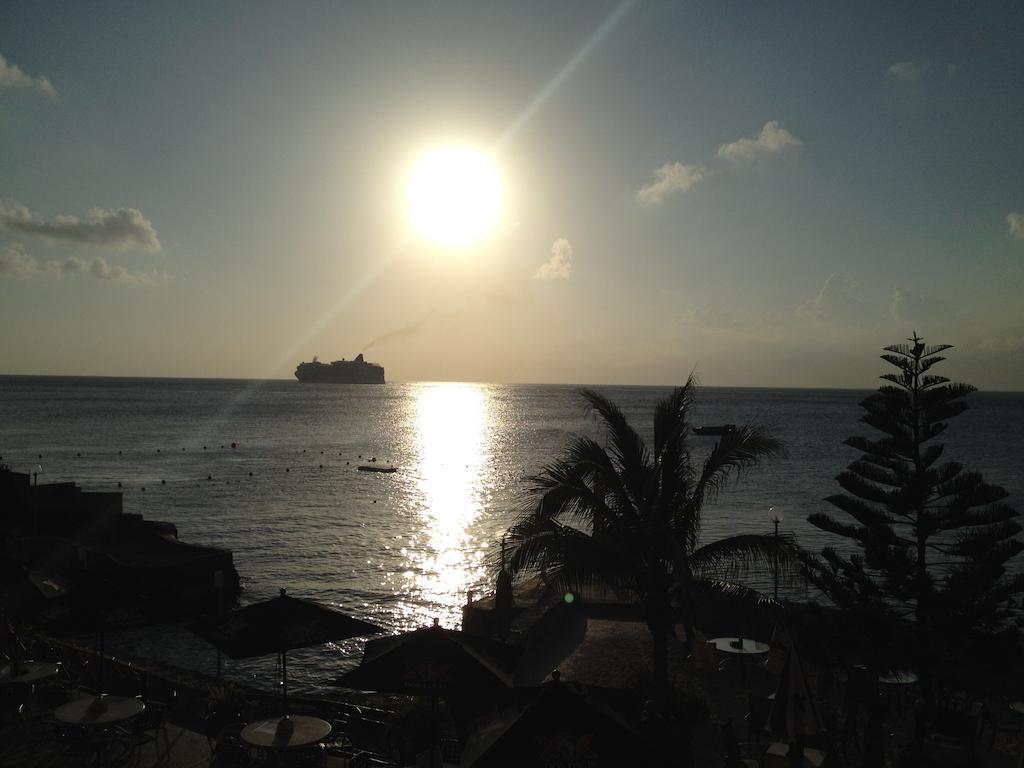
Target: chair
[(1002, 720), (75, 744), (952, 736), (431, 756), (348, 757), (704, 656), (228, 749), (147, 728), (13, 698), (939, 750), (739, 754), (837, 740), (778, 649), (313, 756), (51, 694), (757, 716), (451, 750)]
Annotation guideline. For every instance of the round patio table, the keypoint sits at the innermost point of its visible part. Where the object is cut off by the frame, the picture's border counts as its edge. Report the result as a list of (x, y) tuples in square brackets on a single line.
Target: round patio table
[(740, 646), (99, 714), (271, 734), (102, 712), (900, 677), (29, 672)]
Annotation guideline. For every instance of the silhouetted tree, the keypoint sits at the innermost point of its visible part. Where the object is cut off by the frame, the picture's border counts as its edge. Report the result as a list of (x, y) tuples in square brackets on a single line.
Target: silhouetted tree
[(934, 539), (629, 518)]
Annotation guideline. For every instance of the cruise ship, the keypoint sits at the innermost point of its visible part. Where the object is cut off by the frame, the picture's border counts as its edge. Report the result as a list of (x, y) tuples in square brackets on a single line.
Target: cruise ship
[(356, 371)]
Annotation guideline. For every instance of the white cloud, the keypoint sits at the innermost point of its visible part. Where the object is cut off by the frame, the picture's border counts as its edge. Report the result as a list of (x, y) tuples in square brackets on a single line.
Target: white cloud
[(1016, 224), (909, 307), (1006, 341), (11, 76), (907, 71), (99, 269), (838, 304), (671, 178), (116, 228), (712, 318), (771, 141), (559, 264), (14, 262)]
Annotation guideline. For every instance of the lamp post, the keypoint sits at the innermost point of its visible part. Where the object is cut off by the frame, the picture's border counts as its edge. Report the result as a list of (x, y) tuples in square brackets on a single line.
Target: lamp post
[(35, 504), (218, 584), (775, 515)]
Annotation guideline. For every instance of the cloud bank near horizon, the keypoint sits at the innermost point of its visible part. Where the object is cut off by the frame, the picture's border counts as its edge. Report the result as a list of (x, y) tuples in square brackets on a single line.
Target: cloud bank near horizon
[(113, 228), (1016, 223), (907, 71), (12, 76), (16, 263)]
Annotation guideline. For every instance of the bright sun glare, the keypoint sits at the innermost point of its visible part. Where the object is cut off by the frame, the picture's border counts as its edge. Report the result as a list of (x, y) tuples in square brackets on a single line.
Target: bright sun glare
[(454, 196)]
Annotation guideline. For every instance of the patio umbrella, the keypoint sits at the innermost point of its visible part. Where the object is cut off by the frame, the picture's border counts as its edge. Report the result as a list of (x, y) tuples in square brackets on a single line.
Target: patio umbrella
[(431, 661), (554, 724), (24, 593), (794, 711), (278, 626), (93, 603)]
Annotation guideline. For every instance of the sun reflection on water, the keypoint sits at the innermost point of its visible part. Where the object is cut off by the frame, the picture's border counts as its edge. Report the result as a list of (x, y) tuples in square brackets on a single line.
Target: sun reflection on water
[(452, 429)]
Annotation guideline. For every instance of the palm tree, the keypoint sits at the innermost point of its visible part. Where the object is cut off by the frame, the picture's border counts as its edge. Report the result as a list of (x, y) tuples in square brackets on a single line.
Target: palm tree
[(629, 518)]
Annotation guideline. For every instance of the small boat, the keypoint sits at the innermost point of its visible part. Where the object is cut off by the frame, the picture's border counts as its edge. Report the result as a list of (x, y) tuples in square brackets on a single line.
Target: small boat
[(372, 468), (722, 429)]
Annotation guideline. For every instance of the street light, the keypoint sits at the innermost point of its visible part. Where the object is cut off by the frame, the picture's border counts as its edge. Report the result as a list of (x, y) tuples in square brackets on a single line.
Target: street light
[(775, 515), (35, 504), (218, 583)]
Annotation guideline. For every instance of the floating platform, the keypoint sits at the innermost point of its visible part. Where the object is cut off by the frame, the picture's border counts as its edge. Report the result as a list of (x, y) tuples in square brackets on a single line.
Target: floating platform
[(715, 431)]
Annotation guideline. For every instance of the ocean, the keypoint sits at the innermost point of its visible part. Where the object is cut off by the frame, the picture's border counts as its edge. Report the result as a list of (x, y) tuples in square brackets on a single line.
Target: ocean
[(402, 549)]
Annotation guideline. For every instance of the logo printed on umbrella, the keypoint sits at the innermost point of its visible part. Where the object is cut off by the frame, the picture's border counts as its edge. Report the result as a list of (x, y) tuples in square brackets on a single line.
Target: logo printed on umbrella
[(231, 626), (567, 750), (297, 632), (428, 674)]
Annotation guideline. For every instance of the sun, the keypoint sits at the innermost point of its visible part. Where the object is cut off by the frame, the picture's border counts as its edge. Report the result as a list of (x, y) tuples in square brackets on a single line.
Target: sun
[(454, 196)]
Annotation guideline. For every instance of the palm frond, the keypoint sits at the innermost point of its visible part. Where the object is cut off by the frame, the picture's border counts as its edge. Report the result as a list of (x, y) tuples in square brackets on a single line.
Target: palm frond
[(735, 453), (742, 605), (617, 516), (566, 558), (737, 556), (671, 416), (627, 447)]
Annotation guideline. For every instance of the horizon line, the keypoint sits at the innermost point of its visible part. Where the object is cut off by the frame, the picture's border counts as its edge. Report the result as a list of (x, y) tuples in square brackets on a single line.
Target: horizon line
[(443, 381)]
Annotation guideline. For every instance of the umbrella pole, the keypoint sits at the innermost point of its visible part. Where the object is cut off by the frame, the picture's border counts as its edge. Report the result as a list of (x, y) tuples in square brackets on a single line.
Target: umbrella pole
[(218, 582), (103, 628), (436, 741), (284, 678)]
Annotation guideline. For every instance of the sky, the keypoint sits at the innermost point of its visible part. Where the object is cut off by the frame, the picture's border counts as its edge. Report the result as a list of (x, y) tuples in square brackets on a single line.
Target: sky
[(764, 193)]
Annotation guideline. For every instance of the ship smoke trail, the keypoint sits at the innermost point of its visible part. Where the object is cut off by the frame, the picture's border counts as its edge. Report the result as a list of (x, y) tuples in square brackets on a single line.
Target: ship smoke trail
[(409, 329)]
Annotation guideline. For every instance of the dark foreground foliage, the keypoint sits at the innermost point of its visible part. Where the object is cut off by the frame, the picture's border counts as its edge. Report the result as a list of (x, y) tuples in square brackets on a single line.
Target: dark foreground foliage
[(928, 588)]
